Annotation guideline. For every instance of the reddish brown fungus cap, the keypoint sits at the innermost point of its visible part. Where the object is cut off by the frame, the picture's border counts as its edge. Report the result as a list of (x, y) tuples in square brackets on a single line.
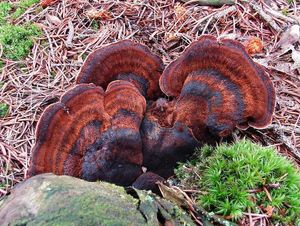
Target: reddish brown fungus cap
[(124, 60), (92, 135), (66, 129), (117, 156), (124, 97), (126, 107), (228, 88)]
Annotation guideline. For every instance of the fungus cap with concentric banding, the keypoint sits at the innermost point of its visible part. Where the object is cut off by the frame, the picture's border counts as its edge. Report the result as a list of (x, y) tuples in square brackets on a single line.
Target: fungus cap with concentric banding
[(226, 87), (66, 129), (92, 134), (117, 156), (124, 60), (97, 135)]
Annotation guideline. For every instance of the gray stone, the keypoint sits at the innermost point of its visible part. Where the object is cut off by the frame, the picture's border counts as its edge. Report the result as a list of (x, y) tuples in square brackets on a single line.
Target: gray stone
[(47, 199)]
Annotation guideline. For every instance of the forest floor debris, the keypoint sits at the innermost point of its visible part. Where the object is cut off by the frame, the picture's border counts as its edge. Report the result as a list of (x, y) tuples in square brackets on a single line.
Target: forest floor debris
[(70, 33)]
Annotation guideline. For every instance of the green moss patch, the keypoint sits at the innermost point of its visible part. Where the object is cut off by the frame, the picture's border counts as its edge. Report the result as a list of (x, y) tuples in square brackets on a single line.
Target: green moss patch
[(5, 8), (22, 6), (17, 40), (234, 179)]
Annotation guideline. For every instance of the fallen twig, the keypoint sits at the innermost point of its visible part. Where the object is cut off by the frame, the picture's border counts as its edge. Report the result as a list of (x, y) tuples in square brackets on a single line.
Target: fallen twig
[(265, 16), (70, 37), (211, 2)]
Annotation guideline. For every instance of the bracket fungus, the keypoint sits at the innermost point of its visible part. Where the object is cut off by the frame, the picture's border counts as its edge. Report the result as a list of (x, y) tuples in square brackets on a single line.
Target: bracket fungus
[(117, 156), (92, 134), (218, 87), (124, 60), (66, 129), (111, 135)]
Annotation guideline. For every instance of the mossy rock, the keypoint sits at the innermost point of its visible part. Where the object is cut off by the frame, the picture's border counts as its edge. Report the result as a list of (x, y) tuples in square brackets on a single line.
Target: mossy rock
[(62, 200)]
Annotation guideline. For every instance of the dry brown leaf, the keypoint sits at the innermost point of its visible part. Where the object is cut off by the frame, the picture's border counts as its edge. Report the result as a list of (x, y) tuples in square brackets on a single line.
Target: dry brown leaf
[(46, 3), (170, 37), (180, 12), (98, 14), (269, 210), (172, 195), (254, 45), (289, 37), (53, 19)]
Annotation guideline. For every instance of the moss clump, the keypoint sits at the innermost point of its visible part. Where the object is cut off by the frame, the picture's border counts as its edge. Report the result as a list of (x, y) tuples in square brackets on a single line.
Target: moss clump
[(5, 7), (17, 40), (22, 6), (3, 109), (228, 174)]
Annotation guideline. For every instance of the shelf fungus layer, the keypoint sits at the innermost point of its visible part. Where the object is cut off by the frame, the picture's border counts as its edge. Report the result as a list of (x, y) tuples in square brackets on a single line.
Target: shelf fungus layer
[(218, 87), (92, 134), (124, 60), (66, 130), (117, 156)]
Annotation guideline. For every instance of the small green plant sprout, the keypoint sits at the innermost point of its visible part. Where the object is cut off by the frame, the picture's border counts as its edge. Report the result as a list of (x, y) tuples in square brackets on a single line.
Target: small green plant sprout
[(242, 178), (17, 40), (3, 110), (1, 67), (285, 11), (95, 25)]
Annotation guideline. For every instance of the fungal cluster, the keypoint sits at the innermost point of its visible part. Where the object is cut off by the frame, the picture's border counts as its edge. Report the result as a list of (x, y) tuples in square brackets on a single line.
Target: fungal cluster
[(128, 113)]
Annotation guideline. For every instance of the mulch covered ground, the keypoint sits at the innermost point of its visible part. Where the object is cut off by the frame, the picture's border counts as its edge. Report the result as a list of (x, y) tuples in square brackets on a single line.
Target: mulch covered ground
[(72, 29)]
